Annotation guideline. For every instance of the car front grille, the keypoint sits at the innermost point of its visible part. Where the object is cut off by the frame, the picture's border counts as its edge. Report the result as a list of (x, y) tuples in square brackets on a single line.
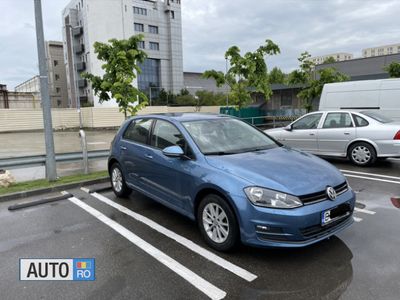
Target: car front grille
[(321, 196)]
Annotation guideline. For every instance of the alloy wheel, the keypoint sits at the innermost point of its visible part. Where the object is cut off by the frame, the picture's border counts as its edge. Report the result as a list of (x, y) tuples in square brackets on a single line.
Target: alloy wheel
[(215, 222), (116, 178)]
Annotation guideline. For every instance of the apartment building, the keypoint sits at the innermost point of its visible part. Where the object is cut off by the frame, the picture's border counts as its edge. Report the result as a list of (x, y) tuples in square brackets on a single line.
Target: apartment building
[(57, 76), (88, 21), (342, 56), (381, 50)]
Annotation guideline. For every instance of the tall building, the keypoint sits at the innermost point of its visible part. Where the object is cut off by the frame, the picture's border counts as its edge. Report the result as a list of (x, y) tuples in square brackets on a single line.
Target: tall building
[(381, 50), (89, 21), (57, 76), (342, 56)]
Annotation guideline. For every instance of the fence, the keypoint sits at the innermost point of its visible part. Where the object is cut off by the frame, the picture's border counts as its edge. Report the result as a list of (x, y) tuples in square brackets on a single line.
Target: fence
[(270, 121)]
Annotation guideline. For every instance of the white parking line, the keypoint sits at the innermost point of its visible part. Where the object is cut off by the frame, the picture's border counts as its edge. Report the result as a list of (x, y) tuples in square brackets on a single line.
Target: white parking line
[(180, 239), (357, 219), (370, 174), (365, 211), (204, 286), (373, 179), (97, 143)]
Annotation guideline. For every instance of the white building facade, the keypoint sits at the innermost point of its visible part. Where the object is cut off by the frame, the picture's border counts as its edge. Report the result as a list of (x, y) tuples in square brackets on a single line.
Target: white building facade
[(381, 50), (88, 21), (342, 56)]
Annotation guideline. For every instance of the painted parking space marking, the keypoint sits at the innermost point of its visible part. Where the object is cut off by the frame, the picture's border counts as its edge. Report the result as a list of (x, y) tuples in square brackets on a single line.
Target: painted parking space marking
[(373, 179), (97, 143), (371, 174), (356, 219), (180, 239), (365, 211), (201, 284)]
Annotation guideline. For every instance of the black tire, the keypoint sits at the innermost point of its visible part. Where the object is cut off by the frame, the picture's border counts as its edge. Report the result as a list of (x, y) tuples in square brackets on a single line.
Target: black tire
[(120, 189), (362, 154), (232, 236)]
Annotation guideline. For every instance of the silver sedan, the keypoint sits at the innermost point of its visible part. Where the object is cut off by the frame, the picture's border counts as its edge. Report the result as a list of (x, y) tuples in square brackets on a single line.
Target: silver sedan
[(362, 137)]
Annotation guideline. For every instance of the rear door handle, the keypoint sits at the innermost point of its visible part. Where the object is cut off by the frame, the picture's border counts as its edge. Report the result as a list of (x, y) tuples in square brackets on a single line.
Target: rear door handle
[(148, 156), (347, 133), (123, 148), (312, 133)]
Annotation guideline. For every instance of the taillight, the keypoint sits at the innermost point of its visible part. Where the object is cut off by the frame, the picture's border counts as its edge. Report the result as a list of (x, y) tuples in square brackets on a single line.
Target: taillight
[(397, 136)]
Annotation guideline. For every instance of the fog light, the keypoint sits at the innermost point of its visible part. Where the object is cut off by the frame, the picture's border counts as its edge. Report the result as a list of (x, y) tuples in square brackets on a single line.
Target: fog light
[(262, 228)]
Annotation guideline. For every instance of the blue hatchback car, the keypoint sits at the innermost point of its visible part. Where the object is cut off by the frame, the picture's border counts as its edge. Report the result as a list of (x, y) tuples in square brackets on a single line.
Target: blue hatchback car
[(238, 183)]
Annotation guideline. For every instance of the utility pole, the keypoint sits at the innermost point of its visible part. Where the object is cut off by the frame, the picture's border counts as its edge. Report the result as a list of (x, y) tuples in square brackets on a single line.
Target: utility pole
[(51, 172)]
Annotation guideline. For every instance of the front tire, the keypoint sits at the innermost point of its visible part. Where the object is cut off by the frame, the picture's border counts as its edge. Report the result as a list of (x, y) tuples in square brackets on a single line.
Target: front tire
[(118, 184), (362, 154), (217, 223)]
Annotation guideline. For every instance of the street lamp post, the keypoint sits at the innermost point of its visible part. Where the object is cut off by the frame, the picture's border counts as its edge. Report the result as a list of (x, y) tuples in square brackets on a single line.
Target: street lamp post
[(226, 74), (51, 170)]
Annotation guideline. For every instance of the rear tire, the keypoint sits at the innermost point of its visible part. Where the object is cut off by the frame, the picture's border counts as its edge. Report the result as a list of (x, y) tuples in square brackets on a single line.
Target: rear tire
[(217, 223), (118, 184), (362, 154)]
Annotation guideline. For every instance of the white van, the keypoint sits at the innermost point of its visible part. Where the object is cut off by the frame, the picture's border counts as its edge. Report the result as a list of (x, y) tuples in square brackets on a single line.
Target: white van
[(382, 95)]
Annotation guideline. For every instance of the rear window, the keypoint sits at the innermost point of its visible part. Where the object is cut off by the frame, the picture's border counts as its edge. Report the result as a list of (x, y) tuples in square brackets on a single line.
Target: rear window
[(359, 121), (138, 131), (377, 116)]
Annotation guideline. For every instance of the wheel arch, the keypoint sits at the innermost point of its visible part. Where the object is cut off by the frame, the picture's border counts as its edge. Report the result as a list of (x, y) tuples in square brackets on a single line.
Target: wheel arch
[(111, 161), (373, 144)]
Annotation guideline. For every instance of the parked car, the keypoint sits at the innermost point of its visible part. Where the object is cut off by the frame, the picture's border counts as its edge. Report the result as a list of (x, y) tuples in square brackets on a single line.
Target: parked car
[(362, 137), (234, 180)]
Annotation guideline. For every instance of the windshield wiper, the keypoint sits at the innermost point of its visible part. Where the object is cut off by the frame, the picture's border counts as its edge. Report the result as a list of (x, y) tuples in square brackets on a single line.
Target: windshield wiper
[(220, 153)]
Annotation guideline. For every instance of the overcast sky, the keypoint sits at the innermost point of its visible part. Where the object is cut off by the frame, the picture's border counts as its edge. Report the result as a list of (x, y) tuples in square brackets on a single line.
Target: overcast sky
[(211, 26)]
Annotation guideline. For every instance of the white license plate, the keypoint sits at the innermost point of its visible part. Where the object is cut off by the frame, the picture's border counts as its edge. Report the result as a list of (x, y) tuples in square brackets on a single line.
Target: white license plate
[(326, 217)]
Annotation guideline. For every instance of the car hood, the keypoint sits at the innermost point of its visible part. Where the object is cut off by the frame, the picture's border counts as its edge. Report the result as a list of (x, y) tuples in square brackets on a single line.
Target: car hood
[(282, 169)]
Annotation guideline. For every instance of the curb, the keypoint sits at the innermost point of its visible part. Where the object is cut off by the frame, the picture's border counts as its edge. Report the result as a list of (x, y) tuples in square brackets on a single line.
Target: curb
[(59, 188)]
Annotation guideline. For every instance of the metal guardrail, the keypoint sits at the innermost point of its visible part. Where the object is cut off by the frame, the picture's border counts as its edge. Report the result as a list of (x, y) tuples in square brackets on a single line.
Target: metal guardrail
[(40, 160), (271, 121)]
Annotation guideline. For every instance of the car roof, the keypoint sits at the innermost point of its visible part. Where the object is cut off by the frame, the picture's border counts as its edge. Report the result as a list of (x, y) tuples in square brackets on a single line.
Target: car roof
[(182, 117)]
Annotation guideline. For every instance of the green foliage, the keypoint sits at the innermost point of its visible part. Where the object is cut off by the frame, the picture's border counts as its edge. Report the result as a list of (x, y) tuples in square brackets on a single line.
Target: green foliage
[(393, 69), (121, 58), (329, 60), (247, 73), (202, 98), (276, 76), (313, 84)]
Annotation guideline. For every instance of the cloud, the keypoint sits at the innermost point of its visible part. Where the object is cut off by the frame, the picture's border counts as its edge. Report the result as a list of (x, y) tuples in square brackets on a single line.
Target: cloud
[(211, 27)]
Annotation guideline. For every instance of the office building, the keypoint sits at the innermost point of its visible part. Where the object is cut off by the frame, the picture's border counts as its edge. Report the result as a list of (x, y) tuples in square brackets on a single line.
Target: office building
[(89, 21)]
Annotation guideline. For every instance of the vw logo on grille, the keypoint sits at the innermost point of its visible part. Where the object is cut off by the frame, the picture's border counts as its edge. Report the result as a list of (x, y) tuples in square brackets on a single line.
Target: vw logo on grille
[(330, 191)]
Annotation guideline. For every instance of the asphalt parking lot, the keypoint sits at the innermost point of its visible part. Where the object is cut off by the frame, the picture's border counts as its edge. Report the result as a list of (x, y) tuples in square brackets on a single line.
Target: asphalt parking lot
[(146, 251)]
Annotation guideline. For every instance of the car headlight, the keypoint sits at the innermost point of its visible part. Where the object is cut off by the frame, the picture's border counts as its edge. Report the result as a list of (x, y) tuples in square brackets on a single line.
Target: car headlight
[(273, 199)]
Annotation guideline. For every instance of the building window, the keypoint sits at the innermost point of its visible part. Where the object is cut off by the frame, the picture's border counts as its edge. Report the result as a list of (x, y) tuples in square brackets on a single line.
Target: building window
[(141, 45), (154, 46), (139, 27), (55, 63), (153, 29), (58, 90), (150, 76), (56, 76), (286, 98), (139, 11), (172, 14)]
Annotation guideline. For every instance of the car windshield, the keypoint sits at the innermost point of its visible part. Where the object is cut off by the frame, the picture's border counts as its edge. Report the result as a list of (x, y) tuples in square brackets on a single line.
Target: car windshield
[(227, 136), (376, 116)]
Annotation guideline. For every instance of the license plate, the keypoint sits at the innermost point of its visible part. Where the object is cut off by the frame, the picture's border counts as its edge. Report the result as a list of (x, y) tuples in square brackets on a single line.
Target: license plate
[(326, 217)]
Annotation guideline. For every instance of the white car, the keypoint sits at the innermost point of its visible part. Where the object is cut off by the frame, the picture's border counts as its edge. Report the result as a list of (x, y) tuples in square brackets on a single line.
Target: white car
[(362, 137)]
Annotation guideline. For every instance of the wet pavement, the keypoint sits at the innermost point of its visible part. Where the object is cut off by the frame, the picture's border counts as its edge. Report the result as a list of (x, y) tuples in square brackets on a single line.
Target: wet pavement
[(359, 263)]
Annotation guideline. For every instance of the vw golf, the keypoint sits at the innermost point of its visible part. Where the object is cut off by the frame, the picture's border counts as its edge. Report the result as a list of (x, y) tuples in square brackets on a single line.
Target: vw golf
[(235, 181)]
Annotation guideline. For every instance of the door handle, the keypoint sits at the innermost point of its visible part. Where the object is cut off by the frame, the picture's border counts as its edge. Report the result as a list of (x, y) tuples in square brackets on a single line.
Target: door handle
[(148, 156), (312, 134), (347, 133), (123, 148)]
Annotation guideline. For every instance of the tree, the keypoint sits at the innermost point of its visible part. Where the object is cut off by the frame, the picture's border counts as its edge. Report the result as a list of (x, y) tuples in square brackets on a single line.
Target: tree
[(247, 73), (121, 59), (312, 81), (329, 60), (276, 76), (393, 69)]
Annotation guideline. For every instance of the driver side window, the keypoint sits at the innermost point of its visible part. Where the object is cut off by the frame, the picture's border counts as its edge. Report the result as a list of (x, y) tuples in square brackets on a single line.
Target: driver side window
[(308, 122)]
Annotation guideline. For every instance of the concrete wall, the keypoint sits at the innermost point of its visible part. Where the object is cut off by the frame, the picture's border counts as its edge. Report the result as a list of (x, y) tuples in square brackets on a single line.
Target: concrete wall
[(12, 120)]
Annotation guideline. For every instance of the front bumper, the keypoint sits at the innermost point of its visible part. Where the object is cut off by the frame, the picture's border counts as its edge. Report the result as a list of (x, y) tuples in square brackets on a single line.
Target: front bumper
[(296, 227)]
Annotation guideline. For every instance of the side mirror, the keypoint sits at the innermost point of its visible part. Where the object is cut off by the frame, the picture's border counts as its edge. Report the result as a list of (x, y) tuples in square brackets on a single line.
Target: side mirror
[(288, 128), (173, 151)]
